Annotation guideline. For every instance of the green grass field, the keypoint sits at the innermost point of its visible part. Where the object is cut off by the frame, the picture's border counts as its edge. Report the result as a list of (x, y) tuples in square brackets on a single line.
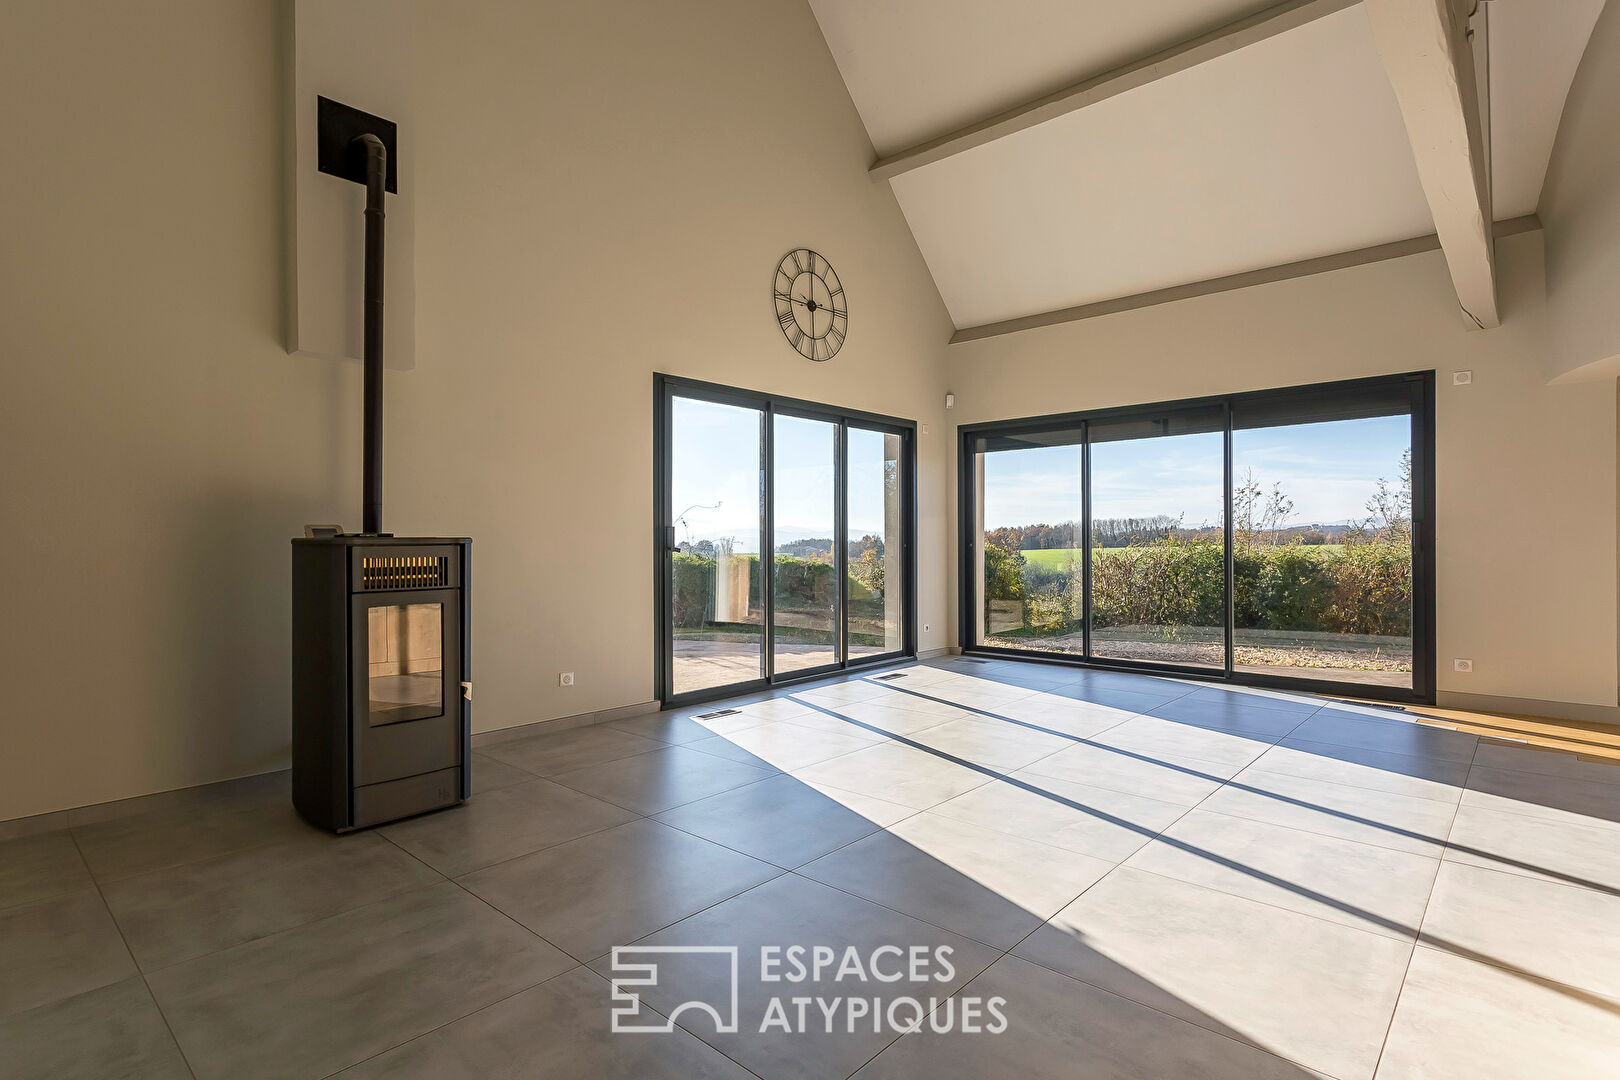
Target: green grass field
[(1058, 558)]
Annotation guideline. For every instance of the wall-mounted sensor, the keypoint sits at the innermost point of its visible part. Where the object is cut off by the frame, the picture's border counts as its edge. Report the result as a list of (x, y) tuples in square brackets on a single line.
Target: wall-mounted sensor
[(950, 401)]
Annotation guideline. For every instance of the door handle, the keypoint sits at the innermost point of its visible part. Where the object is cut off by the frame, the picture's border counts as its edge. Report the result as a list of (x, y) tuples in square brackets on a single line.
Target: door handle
[(669, 539)]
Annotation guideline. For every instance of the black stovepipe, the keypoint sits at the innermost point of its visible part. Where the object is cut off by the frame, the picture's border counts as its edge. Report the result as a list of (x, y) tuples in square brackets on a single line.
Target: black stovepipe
[(376, 175)]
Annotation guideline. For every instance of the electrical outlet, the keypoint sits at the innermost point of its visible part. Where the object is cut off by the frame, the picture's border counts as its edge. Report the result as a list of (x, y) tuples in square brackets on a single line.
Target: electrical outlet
[(565, 679), (1461, 378), (1463, 665), (926, 628)]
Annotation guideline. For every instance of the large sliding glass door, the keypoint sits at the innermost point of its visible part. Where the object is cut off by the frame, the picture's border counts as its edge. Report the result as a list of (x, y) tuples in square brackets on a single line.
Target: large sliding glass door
[(1279, 537), (833, 493)]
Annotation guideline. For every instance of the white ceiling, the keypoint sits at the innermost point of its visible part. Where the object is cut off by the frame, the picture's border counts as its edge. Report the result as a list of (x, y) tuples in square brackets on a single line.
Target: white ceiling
[(1288, 149)]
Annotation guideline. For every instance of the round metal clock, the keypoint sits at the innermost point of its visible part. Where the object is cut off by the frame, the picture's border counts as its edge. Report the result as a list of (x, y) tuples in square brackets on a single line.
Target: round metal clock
[(810, 305)]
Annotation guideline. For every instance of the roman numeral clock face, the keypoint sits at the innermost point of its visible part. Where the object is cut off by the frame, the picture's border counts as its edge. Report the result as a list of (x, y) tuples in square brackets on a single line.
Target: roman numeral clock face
[(810, 305)]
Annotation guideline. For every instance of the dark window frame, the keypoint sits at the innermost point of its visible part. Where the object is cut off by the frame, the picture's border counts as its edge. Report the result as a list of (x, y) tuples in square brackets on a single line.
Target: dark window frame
[(1419, 390), (668, 387)]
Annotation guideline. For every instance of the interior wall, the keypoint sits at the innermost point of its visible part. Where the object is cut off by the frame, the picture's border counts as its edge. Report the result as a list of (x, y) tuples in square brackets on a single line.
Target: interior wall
[(1580, 207), (1525, 472), (603, 191)]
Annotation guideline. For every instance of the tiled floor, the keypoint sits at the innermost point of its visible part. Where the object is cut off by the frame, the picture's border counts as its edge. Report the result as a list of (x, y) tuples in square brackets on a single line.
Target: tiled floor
[(1160, 879)]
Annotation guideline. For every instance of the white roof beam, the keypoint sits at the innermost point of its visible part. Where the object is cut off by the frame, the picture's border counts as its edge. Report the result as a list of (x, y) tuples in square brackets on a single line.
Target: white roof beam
[(1426, 49), (1177, 58)]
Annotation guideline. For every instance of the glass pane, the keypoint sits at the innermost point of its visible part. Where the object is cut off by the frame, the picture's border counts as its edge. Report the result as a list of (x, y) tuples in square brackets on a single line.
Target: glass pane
[(1322, 550), (804, 626), (406, 654), (1158, 576), (876, 586), (715, 497), (1029, 551)]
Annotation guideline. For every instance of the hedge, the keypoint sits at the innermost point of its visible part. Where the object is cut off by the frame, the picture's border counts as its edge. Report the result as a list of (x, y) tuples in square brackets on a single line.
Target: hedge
[(801, 585)]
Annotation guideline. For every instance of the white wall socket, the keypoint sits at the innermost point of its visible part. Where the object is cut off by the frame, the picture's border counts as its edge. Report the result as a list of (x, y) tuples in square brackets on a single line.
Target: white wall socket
[(565, 679), (1462, 665), (1461, 378), (926, 628)]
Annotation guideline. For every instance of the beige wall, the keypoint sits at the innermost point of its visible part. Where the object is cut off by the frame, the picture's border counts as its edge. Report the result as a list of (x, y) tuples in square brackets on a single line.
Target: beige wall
[(1525, 471), (603, 190)]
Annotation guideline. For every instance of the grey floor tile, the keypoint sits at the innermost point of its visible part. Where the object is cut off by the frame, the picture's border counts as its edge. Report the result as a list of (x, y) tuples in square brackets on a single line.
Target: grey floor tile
[(1370, 888), (1165, 777), (245, 793), (36, 824), (1541, 928), (39, 867), (667, 728), (785, 746), (122, 847), (783, 820), (1241, 716), (113, 1032), (610, 888), (561, 1028), (1425, 778), (986, 885), (1367, 815), (503, 824), (1154, 737), (172, 915), (1133, 701), (558, 752), (1314, 992), (1556, 798), (999, 745), (309, 1001), (796, 911), (1279, 701), (1576, 853), (897, 774), (57, 948), (1461, 1020), (1093, 821), (665, 778), (1061, 1029), (1493, 755), (490, 774), (1392, 736)]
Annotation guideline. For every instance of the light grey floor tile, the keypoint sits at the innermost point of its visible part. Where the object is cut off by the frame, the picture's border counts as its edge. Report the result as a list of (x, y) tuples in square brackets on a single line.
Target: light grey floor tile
[(785, 746), (503, 824), (39, 867), (1133, 701), (1556, 798), (560, 1028), (1402, 822), (609, 889), (982, 884), (1461, 1020), (1314, 992), (796, 911), (122, 847), (1575, 853), (879, 720), (1154, 737), (1402, 774), (489, 774), (172, 915), (1370, 888), (309, 1001), (1494, 755), (1058, 715), (113, 1032), (666, 778), (1094, 821), (897, 774), (547, 755), (996, 744), (834, 694), (1165, 777), (1061, 1029), (783, 708), (57, 948), (783, 820), (1392, 736), (1547, 930)]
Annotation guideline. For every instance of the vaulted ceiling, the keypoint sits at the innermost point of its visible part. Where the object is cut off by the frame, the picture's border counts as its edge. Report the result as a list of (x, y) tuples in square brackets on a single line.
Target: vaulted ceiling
[(1280, 144)]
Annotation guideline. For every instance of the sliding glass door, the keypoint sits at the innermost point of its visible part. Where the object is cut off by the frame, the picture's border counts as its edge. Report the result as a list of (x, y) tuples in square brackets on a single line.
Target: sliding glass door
[(833, 494), (1278, 537)]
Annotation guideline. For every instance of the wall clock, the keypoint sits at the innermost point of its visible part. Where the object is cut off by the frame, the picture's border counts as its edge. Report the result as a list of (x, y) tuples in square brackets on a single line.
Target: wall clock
[(810, 305)]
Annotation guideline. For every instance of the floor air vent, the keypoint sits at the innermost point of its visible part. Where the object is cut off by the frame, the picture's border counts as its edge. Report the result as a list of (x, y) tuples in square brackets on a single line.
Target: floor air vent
[(887, 678), (718, 712)]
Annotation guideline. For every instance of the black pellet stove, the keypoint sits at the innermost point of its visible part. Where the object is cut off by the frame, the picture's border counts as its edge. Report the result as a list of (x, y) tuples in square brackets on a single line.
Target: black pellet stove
[(381, 659)]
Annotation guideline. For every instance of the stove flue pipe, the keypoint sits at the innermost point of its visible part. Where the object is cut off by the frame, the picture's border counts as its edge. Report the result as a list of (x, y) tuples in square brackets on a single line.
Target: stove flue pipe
[(376, 176)]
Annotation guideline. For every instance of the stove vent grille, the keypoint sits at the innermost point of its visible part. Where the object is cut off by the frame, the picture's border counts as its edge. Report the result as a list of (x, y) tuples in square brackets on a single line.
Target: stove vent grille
[(379, 572)]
